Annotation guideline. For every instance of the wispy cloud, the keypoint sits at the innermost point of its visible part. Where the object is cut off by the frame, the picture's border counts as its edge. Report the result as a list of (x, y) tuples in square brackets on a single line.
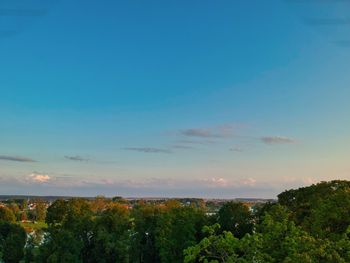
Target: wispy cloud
[(182, 147), (206, 133), (198, 132), (194, 142), (16, 158), (147, 150), (271, 140), (77, 158), (236, 149), (223, 131)]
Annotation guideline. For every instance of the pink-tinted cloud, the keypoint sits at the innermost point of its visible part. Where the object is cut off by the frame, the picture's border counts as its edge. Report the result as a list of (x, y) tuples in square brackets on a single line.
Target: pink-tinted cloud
[(39, 178)]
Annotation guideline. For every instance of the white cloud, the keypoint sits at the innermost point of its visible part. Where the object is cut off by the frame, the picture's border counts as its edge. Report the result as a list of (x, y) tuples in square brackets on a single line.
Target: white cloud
[(249, 181), (39, 178), (217, 182)]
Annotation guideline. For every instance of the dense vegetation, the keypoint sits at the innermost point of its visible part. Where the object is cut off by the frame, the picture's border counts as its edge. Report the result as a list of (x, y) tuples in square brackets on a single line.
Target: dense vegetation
[(310, 224)]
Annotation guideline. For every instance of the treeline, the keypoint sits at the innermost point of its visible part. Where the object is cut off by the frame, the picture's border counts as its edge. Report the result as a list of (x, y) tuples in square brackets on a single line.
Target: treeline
[(310, 224), (18, 210)]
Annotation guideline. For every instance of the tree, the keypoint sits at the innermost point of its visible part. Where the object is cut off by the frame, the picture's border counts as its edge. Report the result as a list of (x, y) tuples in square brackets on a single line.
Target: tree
[(213, 248), (12, 241), (40, 211), (283, 241), (99, 204), (24, 204), (145, 218), (61, 247), (301, 201), (120, 200), (7, 215), (34, 240), (219, 247), (331, 218), (15, 209), (178, 228), (278, 239), (235, 217), (24, 216), (110, 238), (69, 232)]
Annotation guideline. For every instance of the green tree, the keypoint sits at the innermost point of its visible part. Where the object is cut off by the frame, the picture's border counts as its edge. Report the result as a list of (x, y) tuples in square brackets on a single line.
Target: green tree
[(15, 209), (285, 242), (278, 240), (40, 211), (32, 246), (110, 238), (236, 218), (214, 247), (330, 218), (178, 228), (7, 214), (24, 204), (145, 219), (69, 232), (12, 241), (61, 247), (219, 247), (301, 201)]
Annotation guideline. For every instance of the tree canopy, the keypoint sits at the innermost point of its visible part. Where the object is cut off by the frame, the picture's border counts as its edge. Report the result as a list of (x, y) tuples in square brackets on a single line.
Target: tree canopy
[(307, 225)]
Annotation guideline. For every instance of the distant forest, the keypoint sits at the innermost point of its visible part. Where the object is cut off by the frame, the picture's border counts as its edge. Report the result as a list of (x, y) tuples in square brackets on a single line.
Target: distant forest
[(309, 224)]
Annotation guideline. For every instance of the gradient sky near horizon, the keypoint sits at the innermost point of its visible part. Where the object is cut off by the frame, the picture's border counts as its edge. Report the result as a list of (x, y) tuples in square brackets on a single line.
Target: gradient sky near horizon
[(173, 98)]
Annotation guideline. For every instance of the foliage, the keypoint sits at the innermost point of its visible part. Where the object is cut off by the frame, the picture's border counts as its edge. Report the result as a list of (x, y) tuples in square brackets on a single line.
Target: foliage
[(40, 211), (235, 217), (12, 241), (277, 239), (306, 225), (68, 232), (177, 229), (110, 236), (145, 221), (7, 215)]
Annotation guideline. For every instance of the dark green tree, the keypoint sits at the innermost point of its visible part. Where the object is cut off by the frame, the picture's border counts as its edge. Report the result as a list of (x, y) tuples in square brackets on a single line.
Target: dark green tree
[(110, 238), (301, 201), (178, 228), (69, 232), (61, 247), (145, 219), (236, 218), (12, 242), (331, 218)]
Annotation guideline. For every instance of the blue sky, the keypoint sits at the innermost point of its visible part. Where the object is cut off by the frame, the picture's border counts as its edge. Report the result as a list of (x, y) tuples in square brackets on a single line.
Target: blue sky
[(173, 98)]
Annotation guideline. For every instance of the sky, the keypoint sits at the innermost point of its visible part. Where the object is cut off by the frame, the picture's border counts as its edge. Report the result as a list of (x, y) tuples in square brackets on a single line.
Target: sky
[(213, 99)]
